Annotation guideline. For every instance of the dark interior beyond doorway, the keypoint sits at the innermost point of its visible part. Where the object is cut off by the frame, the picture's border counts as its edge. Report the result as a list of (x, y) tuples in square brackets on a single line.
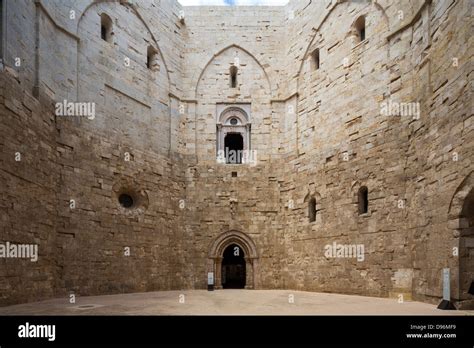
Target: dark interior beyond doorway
[(234, 144), (233, 268)]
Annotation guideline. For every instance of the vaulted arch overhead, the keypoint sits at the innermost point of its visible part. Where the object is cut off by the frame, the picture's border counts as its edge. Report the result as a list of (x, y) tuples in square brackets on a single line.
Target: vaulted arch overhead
[(317, 31)]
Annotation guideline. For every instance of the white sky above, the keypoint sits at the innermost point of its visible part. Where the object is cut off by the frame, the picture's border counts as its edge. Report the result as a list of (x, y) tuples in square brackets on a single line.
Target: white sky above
[(233, 2)]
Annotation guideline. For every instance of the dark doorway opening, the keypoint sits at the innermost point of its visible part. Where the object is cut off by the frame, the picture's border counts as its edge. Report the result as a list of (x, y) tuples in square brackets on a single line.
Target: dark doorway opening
[(234, 145), (233, 268)]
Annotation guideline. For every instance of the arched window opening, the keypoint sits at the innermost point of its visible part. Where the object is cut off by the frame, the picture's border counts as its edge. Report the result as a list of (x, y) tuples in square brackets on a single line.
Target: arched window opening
[(312, 209), (359, 26), (105, 27), (363, 200), (233, 76), (152, 59)]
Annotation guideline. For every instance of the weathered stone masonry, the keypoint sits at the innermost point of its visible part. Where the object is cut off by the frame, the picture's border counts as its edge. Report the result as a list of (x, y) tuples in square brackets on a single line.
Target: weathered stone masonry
[(313, 92)]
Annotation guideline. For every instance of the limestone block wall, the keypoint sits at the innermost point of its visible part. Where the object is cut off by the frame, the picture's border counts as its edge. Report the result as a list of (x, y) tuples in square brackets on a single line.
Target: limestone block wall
[(217, 202), (343, 144), (28, 209), (318, 133), (211, 30), (367, 148), (129, 87), (441, 148)]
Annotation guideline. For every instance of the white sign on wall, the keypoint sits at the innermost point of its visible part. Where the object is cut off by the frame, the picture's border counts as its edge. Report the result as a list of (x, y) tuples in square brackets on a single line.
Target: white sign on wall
[(446, 285)]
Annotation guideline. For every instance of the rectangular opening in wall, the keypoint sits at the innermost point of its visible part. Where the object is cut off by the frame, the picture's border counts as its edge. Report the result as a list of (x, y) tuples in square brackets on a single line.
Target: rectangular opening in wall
[(233, 76)]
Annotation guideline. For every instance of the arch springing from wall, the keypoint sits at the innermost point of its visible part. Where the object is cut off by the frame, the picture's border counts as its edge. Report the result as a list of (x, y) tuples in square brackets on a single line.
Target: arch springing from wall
[(363, 200), (317, 31), (135, 11), (106, 27), (222, 51)]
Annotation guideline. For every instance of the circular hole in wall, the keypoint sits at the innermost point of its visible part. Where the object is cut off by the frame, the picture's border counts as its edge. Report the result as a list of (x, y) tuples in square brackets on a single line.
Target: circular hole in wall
[(130, 197), (233, 121), (126, 200)]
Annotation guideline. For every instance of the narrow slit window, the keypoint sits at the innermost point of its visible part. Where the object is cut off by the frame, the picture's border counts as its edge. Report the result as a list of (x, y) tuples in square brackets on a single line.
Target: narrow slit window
[(105, 27), (363, 200), (233, 76)]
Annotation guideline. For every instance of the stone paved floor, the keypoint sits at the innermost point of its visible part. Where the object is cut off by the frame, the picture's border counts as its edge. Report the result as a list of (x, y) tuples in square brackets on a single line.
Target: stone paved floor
[(238, 302)]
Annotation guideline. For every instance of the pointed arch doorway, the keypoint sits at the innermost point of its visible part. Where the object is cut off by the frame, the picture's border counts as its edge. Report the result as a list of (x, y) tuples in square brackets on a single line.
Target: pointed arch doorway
[(233, 259), (233, 269)]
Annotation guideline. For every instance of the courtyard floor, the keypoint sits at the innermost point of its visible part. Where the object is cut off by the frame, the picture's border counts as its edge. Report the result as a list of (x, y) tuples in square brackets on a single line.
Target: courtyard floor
[(227, 302)]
